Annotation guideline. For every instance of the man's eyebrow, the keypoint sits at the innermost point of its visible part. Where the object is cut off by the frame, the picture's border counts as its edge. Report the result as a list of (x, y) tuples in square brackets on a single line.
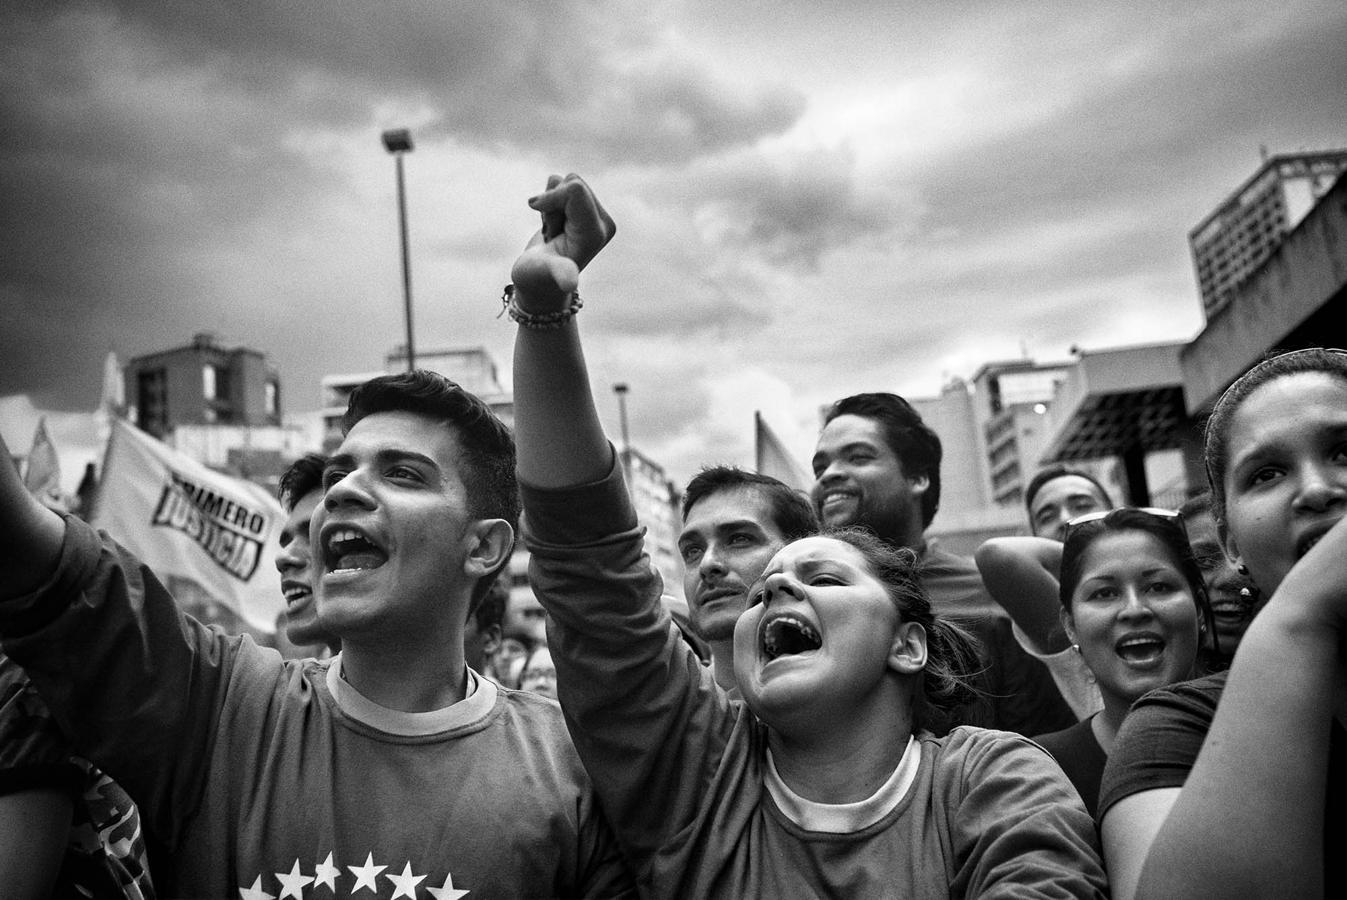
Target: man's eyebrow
[(738, 524), (398, 453), (384, 455), (810, 566), (849, 446), (338, 461)]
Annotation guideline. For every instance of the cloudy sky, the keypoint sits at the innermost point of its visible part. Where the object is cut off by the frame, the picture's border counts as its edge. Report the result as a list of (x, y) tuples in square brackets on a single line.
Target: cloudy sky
[(813, 199)]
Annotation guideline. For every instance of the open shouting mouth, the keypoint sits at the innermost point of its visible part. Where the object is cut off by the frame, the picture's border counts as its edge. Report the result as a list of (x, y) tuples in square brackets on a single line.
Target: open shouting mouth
[(348, 549), (787, 634)]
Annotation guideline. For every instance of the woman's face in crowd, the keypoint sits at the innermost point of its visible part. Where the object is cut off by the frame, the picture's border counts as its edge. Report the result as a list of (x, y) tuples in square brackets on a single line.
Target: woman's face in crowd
[(1133, 615), (1286, 476), (1233, 596), (819, 626)]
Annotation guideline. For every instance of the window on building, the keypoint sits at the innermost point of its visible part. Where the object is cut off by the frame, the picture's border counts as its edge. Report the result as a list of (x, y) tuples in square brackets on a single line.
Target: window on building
[(152, 401)]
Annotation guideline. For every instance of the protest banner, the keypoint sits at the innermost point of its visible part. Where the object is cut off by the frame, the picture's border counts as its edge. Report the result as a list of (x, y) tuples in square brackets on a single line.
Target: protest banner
[(208, 536)]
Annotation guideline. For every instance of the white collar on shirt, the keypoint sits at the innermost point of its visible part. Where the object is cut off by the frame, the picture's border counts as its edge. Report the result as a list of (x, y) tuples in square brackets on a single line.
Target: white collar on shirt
[(845, 818), (480, 699)]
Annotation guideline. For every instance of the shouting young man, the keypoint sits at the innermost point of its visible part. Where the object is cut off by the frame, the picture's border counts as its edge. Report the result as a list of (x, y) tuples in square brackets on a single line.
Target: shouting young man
[(391, 767)]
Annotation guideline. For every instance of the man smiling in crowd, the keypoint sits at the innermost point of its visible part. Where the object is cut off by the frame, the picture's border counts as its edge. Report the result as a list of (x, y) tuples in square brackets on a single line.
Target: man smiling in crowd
[(877, 466)]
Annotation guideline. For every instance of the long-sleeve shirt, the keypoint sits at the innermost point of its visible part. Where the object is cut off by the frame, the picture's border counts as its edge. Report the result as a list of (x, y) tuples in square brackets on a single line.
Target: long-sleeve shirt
[(687, 778)]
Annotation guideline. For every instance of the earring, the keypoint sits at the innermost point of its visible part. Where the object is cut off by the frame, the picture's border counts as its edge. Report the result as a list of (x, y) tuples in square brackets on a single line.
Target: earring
[(1076, 647)]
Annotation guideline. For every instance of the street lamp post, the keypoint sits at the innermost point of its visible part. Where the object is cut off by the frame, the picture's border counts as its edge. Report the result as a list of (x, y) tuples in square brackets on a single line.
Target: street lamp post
[(399, 143)]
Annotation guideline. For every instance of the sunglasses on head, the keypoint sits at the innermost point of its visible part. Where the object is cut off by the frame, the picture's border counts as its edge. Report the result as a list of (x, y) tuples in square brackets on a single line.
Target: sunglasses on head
[(1168, 515)]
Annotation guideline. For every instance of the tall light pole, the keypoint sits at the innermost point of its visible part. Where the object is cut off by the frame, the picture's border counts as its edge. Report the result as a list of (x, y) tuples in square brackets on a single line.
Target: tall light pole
[(621, 390), (399, 143)]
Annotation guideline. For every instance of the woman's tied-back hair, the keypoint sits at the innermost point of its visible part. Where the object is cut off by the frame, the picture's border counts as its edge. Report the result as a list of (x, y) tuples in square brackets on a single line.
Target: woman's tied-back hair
[(1277, 365), (952, 660)]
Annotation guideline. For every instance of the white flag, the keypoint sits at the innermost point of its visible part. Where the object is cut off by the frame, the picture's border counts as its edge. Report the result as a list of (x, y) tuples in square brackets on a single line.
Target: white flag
[(200, 531), (774, 459), (42, 476)]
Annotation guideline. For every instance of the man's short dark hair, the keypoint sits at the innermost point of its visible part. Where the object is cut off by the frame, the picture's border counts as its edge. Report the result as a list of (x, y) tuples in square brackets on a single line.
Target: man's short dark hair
[(304, 476), (912, 440), (487, 458), (792, 513), (1052, 472)]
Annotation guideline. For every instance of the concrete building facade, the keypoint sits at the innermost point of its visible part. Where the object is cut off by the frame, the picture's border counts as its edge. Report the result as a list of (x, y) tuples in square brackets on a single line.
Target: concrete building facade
[(202, 383), (470, 367), (1236, 238), (1296, 298)]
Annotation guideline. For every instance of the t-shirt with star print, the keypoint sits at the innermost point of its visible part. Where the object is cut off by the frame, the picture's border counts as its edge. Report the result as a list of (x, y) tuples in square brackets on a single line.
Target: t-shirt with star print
[(264, 778)]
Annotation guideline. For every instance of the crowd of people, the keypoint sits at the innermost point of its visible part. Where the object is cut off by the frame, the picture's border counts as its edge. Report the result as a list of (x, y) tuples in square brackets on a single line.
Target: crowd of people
[(845, 710)]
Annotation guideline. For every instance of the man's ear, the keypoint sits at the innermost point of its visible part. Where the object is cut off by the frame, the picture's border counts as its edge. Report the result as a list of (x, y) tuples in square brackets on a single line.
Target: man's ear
[(920, 483), (907, 653), (489, 542)]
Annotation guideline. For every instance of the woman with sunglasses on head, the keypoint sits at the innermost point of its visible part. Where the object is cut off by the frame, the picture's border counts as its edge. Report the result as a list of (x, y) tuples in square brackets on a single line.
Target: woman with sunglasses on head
[(1248, 798), (1132, 605)]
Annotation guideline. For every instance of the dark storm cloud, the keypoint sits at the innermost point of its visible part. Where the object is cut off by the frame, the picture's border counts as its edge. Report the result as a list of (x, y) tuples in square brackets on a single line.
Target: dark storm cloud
[(148, 148), (566, 76), (828, 199), (794, 210)]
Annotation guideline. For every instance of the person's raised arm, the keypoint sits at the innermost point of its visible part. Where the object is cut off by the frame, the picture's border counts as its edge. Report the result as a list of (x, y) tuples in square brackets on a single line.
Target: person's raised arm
[(1021, 574), (1249, 820), (557, 430), (33, 533)]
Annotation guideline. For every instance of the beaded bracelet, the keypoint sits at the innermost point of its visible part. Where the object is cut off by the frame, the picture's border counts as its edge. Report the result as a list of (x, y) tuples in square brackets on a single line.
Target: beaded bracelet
[(542, 321)]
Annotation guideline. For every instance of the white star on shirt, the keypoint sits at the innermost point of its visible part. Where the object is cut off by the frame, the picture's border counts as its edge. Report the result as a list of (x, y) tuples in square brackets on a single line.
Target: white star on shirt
[(293, 884), (326, 874), (365, 875), (446, 891), (255, 892), (406, 882)]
